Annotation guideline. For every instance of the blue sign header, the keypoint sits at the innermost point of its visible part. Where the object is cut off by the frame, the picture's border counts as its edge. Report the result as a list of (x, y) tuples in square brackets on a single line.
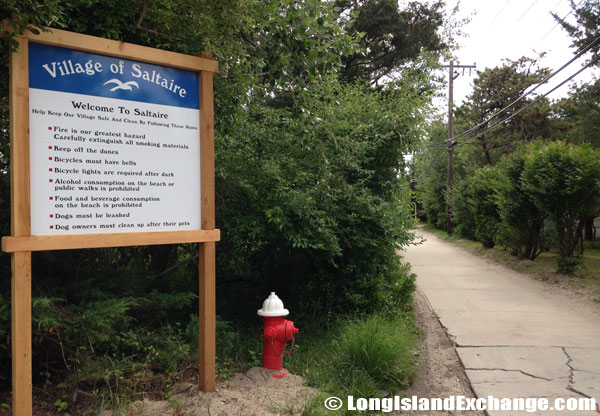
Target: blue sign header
[(68, 70)]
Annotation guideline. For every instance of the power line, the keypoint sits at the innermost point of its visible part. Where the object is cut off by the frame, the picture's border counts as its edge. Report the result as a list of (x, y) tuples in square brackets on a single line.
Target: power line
[(556, 5), (557, 23), (528, 105), (525, 12), (542, 82), (468, 141), (500, 12), (430, 166), (545, 80)]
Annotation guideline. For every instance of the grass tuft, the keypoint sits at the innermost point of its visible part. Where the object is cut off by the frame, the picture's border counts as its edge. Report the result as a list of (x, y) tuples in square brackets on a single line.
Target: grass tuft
[(361, 357), (376, 354)]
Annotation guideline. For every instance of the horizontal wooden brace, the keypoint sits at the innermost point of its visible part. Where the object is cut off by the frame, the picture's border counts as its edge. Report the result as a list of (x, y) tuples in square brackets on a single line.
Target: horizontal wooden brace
[(93, 44), (79, 241)]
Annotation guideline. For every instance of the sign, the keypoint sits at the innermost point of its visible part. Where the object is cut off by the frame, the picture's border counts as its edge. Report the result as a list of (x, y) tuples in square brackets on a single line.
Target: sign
[(111, 145), (114, 144)]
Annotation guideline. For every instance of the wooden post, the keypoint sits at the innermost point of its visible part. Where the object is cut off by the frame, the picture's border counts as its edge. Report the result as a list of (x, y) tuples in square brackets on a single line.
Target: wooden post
[(451, 142), (20, 226), (450, 178), (207, 307), (21, 334)]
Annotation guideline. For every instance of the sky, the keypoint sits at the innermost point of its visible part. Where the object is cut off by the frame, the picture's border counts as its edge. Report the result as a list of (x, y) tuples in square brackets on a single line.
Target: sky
[(500, 29)]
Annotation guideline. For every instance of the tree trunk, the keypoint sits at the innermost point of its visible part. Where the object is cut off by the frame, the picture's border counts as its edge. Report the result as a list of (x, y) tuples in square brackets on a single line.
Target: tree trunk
[(528, 250), (562, 245), (486, 152), (579, 236), (589, 228)]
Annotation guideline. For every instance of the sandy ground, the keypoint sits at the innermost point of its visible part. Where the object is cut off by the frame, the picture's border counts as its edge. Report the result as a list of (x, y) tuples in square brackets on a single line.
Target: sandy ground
[(255, 393), (441, 373)]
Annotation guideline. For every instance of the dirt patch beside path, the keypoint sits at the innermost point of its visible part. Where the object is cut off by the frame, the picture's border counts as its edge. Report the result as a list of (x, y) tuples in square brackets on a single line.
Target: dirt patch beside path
[(441, 373), (254, 393)]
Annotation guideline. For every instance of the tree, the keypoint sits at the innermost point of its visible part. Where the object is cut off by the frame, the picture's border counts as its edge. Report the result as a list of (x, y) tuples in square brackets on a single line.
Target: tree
[(563, 181), (578, 115), (430, 169), (390, 35), (587, 29), (496, 88), (577, 120), (522, 221), (483, 198)]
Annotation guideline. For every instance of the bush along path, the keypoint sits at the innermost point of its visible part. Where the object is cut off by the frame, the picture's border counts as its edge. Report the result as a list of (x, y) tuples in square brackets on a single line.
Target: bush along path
[(513, 339)]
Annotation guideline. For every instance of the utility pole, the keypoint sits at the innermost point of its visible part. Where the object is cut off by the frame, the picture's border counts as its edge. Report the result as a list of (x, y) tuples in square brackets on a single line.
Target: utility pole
[(452, 75)]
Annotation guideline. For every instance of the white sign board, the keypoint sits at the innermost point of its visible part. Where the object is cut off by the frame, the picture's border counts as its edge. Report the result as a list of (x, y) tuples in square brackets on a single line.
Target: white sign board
[(114, 144)]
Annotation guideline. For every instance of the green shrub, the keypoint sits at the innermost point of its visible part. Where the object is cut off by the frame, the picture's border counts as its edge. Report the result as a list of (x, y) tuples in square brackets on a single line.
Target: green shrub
[(434, 202), (462, 209), (563, 180), (568, 265), (432, 168), (361, 357), (324, 208), (483, 193), (522, 221), (5, 362), (595, 244)]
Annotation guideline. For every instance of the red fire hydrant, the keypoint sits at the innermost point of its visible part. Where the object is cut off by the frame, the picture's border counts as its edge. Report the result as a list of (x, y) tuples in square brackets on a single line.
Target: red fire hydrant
[(277, 332)]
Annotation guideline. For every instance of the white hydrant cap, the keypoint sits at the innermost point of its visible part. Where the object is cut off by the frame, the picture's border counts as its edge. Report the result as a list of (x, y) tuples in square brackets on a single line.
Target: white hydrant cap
[(273, 306)]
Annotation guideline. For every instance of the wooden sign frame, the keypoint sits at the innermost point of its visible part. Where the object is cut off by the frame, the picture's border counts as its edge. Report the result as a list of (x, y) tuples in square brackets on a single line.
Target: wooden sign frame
[(21, 243)]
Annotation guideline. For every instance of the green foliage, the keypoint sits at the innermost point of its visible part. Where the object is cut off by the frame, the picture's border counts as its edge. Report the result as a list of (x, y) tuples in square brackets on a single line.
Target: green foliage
[(433, 201), (568, 265), (483, 193), (494, 89), (564, 182), (390, 36), (536, 196), (324, 209), (307, 168), (61, 405), (311, 195), (463, 215), (362, 357), (371, 350), (5, 362), (587, 14), (475, 205), (522, 224), (431, 169), (578, 116), (28, 15)]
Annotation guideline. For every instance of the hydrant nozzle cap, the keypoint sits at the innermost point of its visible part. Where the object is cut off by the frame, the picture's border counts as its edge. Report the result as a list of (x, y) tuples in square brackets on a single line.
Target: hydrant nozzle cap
[(273, 306)]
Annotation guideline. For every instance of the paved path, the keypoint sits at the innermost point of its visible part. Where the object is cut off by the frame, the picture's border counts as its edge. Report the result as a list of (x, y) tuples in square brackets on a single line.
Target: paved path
[(513, 340)]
